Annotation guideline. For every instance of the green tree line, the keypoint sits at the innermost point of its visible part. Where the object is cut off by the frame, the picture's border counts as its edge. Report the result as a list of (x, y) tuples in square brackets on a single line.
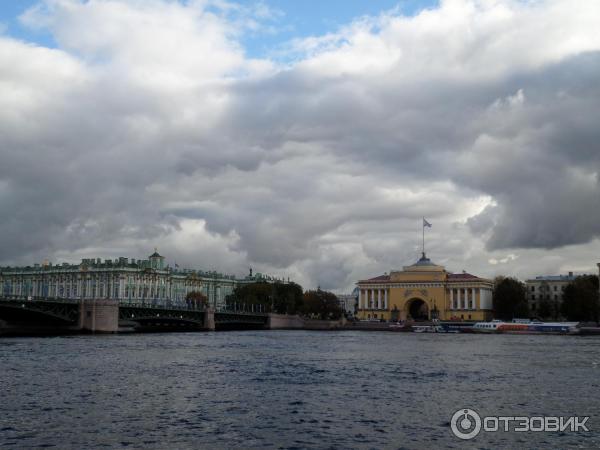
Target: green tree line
[(285, 298)]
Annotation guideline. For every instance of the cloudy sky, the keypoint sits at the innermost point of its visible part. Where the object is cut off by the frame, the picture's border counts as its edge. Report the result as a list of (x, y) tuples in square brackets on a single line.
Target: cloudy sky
[(302, 139)]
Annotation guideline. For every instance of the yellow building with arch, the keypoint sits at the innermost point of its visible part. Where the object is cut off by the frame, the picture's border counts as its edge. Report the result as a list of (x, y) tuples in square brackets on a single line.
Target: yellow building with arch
[(425, 291)]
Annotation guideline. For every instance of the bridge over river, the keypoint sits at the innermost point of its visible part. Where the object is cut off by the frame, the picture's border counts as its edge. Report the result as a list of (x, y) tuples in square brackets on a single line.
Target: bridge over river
[(54, 315)]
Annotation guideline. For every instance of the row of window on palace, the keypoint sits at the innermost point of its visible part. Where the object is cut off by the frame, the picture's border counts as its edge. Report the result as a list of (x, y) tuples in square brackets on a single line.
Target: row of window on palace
[(457, 304), (545, 288), (93, 291), (545, 297), (462, 317)]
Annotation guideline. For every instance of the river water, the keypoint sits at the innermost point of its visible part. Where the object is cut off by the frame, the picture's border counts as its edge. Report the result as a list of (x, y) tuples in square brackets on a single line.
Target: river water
[(291, 389)]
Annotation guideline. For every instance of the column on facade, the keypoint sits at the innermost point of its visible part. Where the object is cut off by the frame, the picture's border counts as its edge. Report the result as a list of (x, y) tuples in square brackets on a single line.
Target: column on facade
[(459, 298), (378, 298), (475, 292), (121, 287), (452, 298), (385, 299)]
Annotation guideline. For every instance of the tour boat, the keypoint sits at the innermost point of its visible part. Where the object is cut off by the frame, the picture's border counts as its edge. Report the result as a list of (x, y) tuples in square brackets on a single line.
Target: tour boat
[(521, 326)]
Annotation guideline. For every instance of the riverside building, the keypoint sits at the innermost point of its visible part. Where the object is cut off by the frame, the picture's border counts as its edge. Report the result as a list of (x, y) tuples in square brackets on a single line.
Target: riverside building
[(123, 279), (547, 288), (425, 291)]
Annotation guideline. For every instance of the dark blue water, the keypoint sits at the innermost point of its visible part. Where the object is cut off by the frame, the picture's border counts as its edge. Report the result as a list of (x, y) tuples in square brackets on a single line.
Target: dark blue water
[(291, 389)]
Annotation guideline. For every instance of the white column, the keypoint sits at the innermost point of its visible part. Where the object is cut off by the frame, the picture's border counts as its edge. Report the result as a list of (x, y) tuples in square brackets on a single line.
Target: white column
[(385, 299), (378, 298), (459, 298), (452, 298), (361, 300), (474, 290), (464, 298), (372, 299)]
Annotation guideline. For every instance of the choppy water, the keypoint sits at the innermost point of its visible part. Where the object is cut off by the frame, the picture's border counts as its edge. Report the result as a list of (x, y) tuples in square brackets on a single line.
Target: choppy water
[(290, 389)]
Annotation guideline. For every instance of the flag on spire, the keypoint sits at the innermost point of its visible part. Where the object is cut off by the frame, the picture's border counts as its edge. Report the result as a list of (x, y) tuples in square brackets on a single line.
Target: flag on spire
[(425, 223)]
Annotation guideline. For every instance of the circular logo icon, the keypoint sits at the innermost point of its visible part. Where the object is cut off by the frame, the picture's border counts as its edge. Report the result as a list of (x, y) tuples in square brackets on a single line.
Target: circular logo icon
[(465, 424)]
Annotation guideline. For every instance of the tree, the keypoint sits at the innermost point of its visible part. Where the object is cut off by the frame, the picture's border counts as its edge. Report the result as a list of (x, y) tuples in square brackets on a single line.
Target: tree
[(281, 298), (288, 298), (196, 300), (580, 299), (546, 309), (323, 304), (510, 299), (252, 296)]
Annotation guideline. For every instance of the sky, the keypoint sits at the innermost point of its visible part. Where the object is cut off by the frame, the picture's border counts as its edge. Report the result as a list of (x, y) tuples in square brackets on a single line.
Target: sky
[(302, 139)]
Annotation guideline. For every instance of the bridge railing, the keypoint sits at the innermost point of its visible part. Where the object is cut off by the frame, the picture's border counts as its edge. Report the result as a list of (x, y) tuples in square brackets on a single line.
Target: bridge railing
[(240, 310), (162, 305), (20, 298), (152, 303)]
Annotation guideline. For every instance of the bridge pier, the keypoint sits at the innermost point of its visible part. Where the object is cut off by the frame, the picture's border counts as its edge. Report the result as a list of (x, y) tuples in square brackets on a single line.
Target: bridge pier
[(99, 316), (284, 322), (209, 319)]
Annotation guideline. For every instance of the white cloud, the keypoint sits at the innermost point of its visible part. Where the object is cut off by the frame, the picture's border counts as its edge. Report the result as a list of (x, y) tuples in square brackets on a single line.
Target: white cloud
[(149, 126)]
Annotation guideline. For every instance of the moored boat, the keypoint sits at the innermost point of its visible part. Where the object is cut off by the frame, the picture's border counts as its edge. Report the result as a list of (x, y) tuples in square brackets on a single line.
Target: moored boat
[(428, 329), (400, 326), (521, 326)]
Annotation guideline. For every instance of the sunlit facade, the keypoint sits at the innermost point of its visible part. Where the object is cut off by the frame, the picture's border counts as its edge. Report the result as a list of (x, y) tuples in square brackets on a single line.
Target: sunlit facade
[(425, 291)]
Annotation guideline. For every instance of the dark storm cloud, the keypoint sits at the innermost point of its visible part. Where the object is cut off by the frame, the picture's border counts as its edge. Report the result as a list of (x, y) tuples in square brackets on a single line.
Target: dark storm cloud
[(158, 131), (540, 160)]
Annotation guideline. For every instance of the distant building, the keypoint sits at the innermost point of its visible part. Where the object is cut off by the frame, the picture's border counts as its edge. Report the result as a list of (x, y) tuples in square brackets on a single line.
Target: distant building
[(349, 302), (548, 288), (129, 281), (425, 291)]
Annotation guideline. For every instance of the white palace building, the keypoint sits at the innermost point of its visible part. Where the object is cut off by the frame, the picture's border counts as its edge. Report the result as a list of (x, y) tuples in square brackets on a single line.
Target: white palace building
[(129, 281)]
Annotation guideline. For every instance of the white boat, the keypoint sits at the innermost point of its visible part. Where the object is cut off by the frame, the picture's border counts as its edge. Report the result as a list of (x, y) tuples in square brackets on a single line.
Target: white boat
[(521, 326)]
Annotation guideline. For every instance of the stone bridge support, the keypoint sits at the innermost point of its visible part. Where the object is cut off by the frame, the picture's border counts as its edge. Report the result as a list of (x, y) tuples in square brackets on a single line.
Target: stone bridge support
[(99, 316), (284, 322), (209, 319)]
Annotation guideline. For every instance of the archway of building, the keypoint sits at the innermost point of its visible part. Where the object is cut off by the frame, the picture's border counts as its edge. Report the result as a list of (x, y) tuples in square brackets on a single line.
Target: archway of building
[(417, 309)]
